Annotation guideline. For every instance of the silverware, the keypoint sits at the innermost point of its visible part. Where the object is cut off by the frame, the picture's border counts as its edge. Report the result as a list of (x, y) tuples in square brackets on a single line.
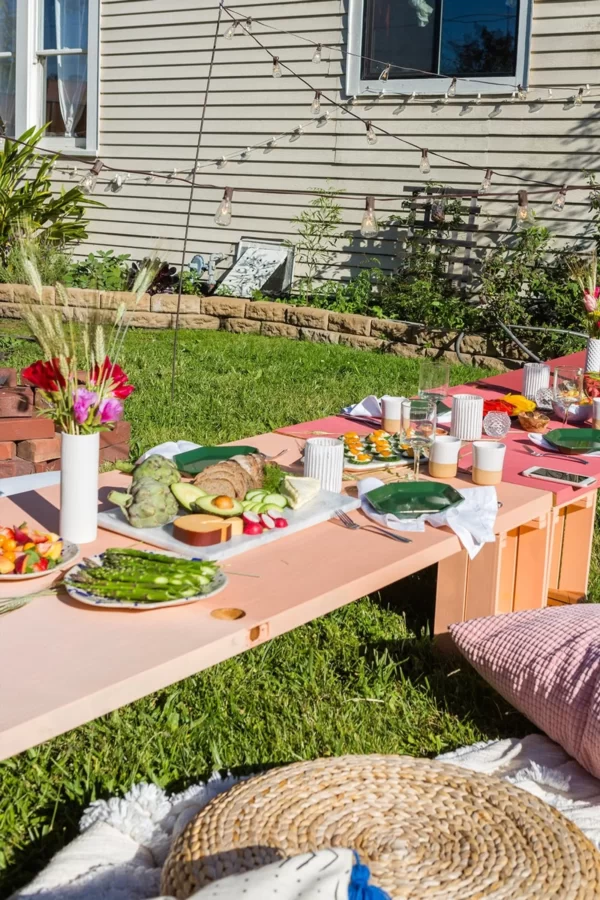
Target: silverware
[(354, 526), (583, 462)]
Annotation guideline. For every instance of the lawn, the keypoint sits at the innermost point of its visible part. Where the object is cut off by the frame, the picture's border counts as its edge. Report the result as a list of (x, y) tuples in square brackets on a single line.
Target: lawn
[(364, 679)]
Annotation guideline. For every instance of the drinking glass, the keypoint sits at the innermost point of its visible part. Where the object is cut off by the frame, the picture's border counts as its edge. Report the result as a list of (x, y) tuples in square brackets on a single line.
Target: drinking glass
[(419, 420), (567, 388), (434, 377)]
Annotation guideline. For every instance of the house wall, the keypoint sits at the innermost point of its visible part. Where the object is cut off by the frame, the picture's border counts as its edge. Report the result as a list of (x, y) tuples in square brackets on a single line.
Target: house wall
[(155, 56)]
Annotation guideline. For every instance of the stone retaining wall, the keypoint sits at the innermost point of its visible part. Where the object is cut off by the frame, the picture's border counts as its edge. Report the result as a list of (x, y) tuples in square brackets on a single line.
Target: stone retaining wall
[(240, 316)]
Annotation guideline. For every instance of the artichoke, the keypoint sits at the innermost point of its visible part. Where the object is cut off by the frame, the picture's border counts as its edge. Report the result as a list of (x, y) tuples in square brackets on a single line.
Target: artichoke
[(156, 467), (148, 503)]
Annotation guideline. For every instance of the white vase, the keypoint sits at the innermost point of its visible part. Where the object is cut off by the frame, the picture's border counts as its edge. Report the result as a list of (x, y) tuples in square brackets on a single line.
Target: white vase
[(80, 459), (592, 355)]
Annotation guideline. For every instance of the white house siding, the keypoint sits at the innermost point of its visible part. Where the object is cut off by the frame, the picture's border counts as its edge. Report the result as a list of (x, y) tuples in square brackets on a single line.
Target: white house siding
[(155, 56)]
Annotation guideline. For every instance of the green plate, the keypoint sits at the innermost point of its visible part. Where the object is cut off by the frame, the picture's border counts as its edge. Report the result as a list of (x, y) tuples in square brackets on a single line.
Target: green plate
[(412, 498), (574, 440), (194, 461)]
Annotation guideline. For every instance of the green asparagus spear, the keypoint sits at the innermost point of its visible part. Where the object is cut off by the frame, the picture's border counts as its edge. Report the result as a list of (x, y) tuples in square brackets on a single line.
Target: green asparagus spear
[(130, 553), (150, 577), (142, 593)]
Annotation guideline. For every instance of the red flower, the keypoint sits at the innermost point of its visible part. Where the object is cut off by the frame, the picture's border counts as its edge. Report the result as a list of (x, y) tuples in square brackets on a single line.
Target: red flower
[(45, 375), (115, 377)]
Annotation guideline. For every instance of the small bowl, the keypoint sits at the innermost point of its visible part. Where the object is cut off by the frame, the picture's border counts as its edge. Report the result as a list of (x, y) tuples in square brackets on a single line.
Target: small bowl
[(533, 422), (575, 414)]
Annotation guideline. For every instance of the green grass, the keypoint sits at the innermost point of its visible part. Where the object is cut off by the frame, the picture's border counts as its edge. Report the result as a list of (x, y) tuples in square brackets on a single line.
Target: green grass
[(361, 680)]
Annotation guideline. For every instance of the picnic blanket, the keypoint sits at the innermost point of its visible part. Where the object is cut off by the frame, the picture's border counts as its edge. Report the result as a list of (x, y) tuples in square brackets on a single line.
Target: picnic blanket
[(124, 841)]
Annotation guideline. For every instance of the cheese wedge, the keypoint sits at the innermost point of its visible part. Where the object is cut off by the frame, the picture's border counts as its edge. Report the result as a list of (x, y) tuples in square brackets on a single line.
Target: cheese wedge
[(201, 530), (299, 491)]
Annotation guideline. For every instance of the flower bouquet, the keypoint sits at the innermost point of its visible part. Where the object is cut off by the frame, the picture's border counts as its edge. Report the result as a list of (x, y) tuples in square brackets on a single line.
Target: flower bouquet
[(584, 270)]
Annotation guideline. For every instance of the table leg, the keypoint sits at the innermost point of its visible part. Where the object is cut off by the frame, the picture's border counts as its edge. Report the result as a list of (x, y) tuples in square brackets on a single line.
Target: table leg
[(573, 532), (452, 576)]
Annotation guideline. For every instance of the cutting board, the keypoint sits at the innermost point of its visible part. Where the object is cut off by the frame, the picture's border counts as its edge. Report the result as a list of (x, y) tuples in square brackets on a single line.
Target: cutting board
[(316, 511)]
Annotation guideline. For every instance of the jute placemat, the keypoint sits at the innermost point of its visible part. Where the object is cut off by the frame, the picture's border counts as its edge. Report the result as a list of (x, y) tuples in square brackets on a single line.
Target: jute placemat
[(426, 829)]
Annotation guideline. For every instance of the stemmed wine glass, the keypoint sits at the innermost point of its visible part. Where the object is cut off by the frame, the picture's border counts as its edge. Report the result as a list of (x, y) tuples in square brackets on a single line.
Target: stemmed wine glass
[(419, 420)]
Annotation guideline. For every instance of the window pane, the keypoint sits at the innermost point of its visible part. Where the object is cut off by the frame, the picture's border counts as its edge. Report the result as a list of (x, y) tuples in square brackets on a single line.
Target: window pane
[(402, 32), (65, 24), (8, 32), (479, 38), (66, 95)]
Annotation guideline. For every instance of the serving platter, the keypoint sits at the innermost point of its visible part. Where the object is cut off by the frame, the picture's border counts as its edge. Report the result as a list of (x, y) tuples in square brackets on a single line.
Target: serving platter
[(414, 498), (574, 440), (316, 511)]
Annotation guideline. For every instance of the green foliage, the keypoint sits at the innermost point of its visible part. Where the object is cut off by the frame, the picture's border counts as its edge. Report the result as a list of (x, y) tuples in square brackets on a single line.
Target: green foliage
[(51, 262), (101, 271), (318, 238), (192, 282), (27, 202)]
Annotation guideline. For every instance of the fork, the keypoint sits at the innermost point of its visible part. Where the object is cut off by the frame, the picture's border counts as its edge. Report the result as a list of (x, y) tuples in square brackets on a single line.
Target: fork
[(583, 462), (354, 526)]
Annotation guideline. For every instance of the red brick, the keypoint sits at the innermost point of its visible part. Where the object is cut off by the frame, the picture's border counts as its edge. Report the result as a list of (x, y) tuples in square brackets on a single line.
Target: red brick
[(112, 454), (51, 465), (12, 377), (26, 429), (7, 449), (12, 467), (120, 434), (16, 402), (39, 449)]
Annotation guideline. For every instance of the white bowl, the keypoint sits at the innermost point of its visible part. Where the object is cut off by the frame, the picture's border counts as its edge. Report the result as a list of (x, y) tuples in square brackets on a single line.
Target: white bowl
[(574, 414)]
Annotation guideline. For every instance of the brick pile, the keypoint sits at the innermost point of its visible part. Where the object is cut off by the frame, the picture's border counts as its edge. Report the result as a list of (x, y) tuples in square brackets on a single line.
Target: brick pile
[(28, 441)]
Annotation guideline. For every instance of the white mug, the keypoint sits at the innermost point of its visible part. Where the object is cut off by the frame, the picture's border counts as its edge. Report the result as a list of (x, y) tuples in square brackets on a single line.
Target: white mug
[(488, 461), (391, 413), (596, 412), (443, 457), (324, 459)]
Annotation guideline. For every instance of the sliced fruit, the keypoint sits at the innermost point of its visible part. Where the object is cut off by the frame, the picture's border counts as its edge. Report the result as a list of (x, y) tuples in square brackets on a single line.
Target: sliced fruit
[(209, 505), (201, 530), (256, 494), (6, 566), (276, 500), (187, 494), (266, 521)]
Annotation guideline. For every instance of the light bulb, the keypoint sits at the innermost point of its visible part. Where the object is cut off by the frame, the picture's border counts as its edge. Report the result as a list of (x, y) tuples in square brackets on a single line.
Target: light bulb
[(513, 96), (351, 101), (579, 97), (248, 25), (277, 73), (368, 226), (371, 136), (230, 32), (89, 181), (561, 199), (297, 133), (452, 88), (521, 92), (245, 153), (386, 73), (487, 181), (222, 162), (522, 216), (550, 93), (425, 165), (478, 98), (317, 55), (223, 213), (316, 104), (116, 184)]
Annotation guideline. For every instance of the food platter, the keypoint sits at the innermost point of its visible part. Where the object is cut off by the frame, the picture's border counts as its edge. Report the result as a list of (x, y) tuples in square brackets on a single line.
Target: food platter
[(70, 553), (376, 450)]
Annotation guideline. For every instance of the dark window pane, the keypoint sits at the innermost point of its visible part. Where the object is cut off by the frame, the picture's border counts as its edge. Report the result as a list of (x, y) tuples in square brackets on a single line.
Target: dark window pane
[(479, 38), (66, 90), (402, 32), (8, 28)]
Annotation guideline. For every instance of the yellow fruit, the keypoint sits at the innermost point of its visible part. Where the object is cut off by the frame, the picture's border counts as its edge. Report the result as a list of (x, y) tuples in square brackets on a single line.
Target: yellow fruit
[(520, 403), (6, 566), (28, 546), (10, 544)]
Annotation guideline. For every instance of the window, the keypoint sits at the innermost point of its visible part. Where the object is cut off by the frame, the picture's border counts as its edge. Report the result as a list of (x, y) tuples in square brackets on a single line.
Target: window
[(487, 40), (49, 70)]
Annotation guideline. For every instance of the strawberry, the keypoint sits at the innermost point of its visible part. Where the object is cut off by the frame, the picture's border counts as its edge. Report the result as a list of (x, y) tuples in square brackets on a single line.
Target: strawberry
[(41, 565)]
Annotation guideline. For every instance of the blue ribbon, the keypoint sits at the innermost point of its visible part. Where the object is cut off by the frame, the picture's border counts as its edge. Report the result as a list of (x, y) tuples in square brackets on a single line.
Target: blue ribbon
[(359, 887)]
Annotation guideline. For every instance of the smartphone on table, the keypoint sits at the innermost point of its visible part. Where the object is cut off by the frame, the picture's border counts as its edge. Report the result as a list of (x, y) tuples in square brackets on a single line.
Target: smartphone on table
[(575, 479)]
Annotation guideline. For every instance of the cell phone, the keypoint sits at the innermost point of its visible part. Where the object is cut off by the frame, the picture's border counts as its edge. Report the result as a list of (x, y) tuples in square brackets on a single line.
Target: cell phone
[(572, 478)]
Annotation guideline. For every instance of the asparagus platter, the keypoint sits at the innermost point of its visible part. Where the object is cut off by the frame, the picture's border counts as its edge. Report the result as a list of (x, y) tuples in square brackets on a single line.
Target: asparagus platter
[(126, 578)]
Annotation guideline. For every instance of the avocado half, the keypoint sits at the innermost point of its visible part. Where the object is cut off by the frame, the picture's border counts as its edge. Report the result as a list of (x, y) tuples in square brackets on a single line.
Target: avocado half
[(207, 504)]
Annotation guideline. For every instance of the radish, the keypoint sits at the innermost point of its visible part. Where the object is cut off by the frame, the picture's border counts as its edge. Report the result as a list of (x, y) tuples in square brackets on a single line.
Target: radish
[(253, 528), (281, 522), (250, 518), (266, 521)]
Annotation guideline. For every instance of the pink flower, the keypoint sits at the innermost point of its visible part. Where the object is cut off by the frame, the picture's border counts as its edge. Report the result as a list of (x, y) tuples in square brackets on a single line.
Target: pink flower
[(590, 301), (82, 401), (110, 410)]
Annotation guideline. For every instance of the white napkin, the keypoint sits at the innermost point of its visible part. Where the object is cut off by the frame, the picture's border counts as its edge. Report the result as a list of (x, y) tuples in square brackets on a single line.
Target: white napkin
[(168, 449), (540, 441), (371, 407), (472, 522)]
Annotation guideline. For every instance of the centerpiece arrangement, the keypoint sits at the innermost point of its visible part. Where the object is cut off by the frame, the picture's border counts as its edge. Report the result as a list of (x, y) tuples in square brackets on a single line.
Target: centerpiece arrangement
[(584, 270)]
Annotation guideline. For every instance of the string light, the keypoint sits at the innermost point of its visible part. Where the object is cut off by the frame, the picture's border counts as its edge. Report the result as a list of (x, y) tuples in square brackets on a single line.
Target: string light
[(550, 93), (522, 216), (229, 34), (369, 226), (561, 199), (452, 89), (371, 136), (351, 101), (297, 133), (317, 55), (513, 96), (246, 153), (277, 73), (487, 181), (579, 97), (425, 165), (316, 104), (248, 25), (478, 98), (222, 162), (386, 73), (116, 183), (224, 210), (521, 92), (88, 182)]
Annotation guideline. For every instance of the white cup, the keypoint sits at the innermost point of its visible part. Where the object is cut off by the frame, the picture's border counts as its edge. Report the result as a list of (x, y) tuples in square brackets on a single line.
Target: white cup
[(391, 413), (488, 461), (443, 457), (466, 420), (324, 459), (596, 412)]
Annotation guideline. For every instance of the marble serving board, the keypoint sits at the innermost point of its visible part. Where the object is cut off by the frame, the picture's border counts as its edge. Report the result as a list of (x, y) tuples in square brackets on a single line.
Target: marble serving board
[(316, 511)]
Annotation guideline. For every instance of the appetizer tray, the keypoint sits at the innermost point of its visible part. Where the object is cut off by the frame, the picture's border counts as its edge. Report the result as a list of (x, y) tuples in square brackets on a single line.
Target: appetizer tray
[(316, 511), (377, 450)]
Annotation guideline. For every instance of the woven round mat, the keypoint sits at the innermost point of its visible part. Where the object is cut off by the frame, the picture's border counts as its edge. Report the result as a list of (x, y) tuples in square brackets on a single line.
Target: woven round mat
[(426, 829)]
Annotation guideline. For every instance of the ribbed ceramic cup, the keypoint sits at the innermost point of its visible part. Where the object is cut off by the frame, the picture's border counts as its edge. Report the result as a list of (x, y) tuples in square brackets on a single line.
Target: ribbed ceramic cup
[(596, 412), (536, 377), (467, 417), (324, 459)]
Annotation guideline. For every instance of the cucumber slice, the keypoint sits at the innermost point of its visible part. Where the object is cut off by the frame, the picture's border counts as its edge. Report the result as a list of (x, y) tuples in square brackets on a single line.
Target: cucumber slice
[(256, 494), (276, 500)]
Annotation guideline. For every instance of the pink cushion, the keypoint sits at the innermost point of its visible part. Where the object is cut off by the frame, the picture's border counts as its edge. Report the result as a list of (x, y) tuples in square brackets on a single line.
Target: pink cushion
[(546, 662)]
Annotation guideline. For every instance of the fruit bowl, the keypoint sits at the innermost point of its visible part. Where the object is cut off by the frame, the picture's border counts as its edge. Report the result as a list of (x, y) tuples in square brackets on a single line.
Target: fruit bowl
[(533, 422), (574, 414)]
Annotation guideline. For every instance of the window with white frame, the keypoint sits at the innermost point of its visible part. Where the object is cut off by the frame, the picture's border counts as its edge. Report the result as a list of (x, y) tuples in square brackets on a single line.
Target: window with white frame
[(427, 43), (49, 71)]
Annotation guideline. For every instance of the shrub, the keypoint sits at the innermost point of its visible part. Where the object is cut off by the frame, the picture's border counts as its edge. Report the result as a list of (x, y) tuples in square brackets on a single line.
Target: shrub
[(101, 271), (52, 263)]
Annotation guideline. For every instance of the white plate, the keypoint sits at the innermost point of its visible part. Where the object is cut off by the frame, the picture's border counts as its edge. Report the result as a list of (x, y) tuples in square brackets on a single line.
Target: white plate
[(91, 599), (70, 552)]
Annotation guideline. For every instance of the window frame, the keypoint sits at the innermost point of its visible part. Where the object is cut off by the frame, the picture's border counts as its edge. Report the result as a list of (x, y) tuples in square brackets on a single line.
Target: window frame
[(355, 85), (30, 75)]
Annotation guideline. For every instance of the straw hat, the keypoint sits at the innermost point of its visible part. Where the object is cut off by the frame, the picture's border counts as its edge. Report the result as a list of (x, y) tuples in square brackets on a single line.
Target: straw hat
[(426, 829)]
